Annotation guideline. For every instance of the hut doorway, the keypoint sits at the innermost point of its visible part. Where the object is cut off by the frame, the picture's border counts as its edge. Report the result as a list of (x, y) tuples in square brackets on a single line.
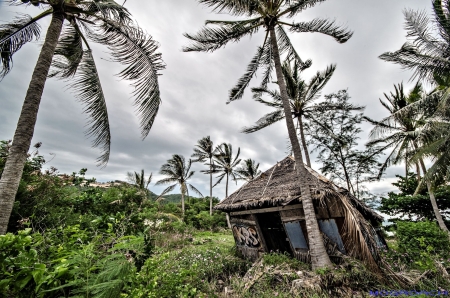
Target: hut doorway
[(273, 232)]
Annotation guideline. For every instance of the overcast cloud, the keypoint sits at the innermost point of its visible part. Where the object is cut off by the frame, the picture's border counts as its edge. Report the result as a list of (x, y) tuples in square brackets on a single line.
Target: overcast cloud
[(195, 86)]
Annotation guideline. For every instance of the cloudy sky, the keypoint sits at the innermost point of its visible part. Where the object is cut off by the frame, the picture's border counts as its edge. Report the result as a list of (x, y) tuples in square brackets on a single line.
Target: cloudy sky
[(195, 86)]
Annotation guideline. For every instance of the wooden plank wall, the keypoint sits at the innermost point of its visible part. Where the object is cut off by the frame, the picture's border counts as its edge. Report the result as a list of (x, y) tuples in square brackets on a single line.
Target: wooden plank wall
[(248, 236)]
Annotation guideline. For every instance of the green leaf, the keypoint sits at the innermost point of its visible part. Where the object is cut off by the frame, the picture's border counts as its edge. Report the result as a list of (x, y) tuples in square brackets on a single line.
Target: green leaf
[(38, 273)]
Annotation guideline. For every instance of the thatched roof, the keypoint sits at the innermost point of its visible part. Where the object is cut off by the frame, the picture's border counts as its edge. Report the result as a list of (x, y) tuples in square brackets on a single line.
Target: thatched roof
[(278, 186)]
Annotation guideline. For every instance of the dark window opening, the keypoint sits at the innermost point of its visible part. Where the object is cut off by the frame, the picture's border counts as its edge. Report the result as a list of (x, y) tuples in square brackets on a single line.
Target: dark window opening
[(273, 232)]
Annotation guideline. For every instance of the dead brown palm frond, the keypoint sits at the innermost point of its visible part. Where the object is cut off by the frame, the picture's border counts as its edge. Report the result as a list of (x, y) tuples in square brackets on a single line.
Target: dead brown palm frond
[(360, 235)]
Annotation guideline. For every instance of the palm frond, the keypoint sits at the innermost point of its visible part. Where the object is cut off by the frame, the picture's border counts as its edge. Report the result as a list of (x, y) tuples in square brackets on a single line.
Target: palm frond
[(441, 15), (274, 94), (68, 54), (14, 35), (88, 90), (220, 177), (233, 7), (238, 91), (300, 5), (166, 191), (195, 190), (285, 46), (323, 26), (423, 65), (210, 39), (265, 121), (135, 49), (108, 9), (267, 62), (318, 82)]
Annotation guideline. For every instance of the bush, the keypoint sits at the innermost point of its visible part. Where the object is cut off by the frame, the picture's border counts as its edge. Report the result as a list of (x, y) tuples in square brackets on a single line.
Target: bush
[(422, 243)]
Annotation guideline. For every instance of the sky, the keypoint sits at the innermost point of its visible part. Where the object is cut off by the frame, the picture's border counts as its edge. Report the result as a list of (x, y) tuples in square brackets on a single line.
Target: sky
[(194, 90)]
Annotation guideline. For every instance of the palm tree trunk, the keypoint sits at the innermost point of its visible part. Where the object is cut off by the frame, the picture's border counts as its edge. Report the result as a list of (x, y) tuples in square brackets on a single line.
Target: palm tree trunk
[(436, 211), (226, 196), (319, 256), (12, 173), (210, 187), (182, 202), (406, 172), (418, 173), (305, 147)]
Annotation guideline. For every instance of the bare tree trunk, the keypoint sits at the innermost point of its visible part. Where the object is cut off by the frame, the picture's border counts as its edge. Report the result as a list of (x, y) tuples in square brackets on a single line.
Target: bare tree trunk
[(319, 256), (436, 211), (305, 147), (210, 186), (226, 196), (347, 177), (12, 173)]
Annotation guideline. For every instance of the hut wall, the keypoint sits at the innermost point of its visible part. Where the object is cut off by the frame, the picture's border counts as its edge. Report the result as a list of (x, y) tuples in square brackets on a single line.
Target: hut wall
[(247, 235)]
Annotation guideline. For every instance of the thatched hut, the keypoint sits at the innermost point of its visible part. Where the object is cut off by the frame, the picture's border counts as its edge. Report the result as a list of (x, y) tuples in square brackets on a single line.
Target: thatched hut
[(266, 215)]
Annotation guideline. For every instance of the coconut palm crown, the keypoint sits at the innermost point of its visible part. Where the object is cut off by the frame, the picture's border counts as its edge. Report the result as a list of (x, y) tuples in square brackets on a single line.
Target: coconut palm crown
[(67, 54), (178, 172), (397, 131), (248, 171), (205, 150), (100, 21)]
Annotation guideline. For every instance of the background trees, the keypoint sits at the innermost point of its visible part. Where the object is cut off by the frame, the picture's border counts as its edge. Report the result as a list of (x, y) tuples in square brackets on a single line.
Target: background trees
[(66, 54)]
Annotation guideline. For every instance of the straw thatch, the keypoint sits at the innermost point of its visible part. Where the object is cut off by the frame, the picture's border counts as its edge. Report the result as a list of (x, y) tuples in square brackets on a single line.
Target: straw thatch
[(278, 186)]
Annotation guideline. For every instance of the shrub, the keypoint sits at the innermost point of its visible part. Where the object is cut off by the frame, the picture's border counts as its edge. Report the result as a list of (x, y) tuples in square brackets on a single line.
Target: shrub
[(421, 244)]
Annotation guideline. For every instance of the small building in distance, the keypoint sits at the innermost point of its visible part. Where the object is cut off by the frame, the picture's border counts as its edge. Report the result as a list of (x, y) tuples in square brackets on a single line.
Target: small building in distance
[(266, 215)]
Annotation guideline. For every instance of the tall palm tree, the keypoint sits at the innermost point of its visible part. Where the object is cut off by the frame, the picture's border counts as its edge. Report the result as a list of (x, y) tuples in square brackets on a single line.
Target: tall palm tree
[(400, 131), (248, 171), (177, 172), (203, 152), (66, 50), (301, 98), (426, 54), (225, 164), (269, 15)]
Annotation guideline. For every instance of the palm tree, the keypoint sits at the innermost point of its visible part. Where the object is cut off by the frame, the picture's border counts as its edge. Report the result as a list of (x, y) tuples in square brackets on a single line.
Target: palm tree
[(427, 55), (177, 172), (67, 52), (301, 99), (269, 14), (225, 164), (139, 180), (203, 152), (398, 131), (248, 171)]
